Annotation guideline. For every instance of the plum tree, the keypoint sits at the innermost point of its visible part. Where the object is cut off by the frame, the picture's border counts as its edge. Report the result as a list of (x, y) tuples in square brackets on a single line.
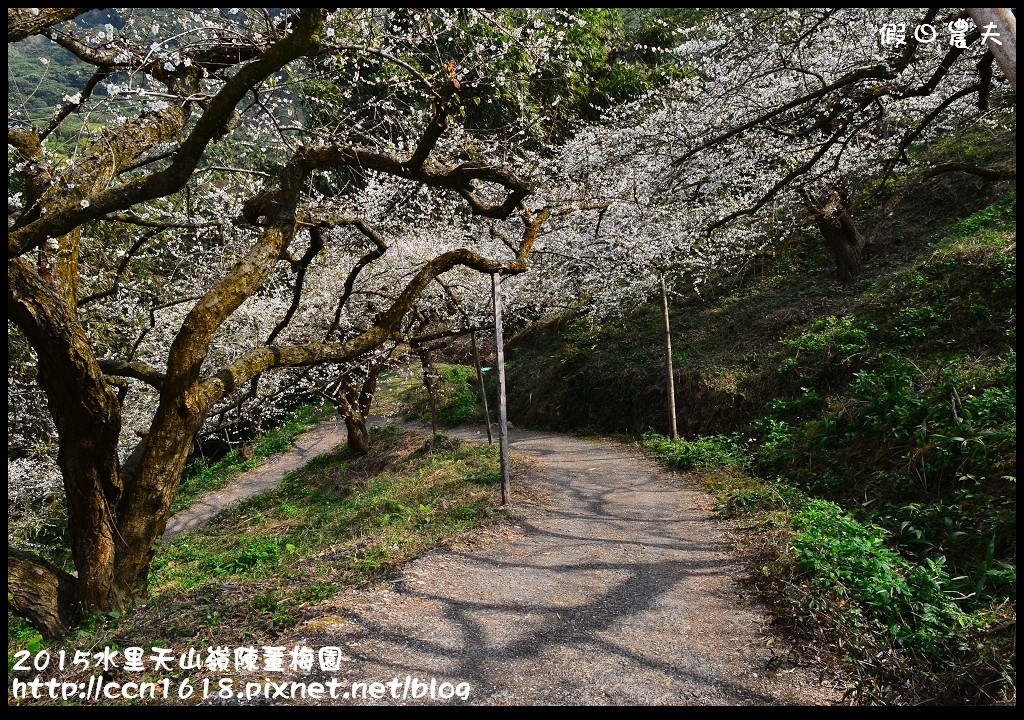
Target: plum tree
[(180, 221), (239, 203)]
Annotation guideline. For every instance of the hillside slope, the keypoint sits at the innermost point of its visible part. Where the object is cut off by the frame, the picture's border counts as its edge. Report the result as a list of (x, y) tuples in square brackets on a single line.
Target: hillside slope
[(869, 429)]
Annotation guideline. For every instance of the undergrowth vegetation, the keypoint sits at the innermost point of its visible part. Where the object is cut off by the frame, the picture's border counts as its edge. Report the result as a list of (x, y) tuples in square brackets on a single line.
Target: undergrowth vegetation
[(202, 476), (50, 538), (457, 396)]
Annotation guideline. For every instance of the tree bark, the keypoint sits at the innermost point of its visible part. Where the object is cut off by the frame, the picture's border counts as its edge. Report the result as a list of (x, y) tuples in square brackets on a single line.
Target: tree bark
[(41, 593), (87, 416), (845, 242), (1005, 50), (843, 237), (358, 435)]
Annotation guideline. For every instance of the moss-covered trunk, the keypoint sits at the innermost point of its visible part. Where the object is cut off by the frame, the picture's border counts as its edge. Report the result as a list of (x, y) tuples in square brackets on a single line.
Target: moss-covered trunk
[(87, 416)]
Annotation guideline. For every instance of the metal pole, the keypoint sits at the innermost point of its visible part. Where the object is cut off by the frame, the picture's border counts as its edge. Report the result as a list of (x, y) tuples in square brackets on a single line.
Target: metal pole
[(502, 415), (483, 390), (669, 370)]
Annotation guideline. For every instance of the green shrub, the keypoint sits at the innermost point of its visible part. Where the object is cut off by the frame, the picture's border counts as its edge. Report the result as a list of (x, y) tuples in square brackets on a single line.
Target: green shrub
[(705, 451), (841, 338), (764, 497), (850, 563), (777, 441), (456, 392), (249, 553), (914, 323), (459, 396)]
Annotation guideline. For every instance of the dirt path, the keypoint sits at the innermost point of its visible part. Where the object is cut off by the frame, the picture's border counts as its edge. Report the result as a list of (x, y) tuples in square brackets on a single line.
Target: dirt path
[(322, 438), (623, 589)]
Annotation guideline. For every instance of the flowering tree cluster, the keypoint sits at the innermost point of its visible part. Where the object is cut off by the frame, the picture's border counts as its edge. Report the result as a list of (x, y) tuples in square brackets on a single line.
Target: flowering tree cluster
[(238, 205), (784, 119), (215, 229)]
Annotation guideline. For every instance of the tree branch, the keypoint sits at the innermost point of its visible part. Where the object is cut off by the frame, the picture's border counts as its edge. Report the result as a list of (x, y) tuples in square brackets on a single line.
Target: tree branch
[(25, 22), (138, 370), (386, 327), (113, 151), (133, 219), (994, 174), (316, 244), (121, 267), (64, 218), (41, 593), (435, 127), (458, 178), (777, 187), (380, 247)]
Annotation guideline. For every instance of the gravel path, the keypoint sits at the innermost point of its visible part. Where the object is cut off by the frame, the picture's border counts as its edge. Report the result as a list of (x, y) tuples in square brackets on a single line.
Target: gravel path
[(621, 589), (322, 438)]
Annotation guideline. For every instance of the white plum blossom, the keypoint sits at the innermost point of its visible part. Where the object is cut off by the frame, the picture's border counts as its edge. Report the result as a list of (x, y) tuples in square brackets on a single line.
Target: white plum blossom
[(631, 195)]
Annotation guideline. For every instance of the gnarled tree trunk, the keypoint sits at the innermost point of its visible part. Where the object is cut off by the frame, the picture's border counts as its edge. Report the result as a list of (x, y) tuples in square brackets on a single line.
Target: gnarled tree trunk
[(354, 404), (44, 595), (87, 415), (358, 435), (845, 243), (841, 233)]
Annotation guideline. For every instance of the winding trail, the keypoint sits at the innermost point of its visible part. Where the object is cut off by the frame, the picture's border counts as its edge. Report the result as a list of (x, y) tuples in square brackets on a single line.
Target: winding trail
[(320, 439), (621, 589)]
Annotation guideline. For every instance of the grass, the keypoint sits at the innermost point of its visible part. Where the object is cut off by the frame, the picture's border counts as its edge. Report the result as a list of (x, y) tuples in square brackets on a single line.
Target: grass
[(338, 520), (265, 566), (704, 452), (200, 477), (458, 396)]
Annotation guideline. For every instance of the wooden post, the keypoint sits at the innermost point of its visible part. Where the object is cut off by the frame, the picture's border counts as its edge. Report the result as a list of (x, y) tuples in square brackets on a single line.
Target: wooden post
[(502, 415), (483, 390), (669, 370)]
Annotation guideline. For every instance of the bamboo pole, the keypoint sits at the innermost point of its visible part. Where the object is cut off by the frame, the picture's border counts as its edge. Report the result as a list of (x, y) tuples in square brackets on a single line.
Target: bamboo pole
[(502, 412), (669, 370)]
